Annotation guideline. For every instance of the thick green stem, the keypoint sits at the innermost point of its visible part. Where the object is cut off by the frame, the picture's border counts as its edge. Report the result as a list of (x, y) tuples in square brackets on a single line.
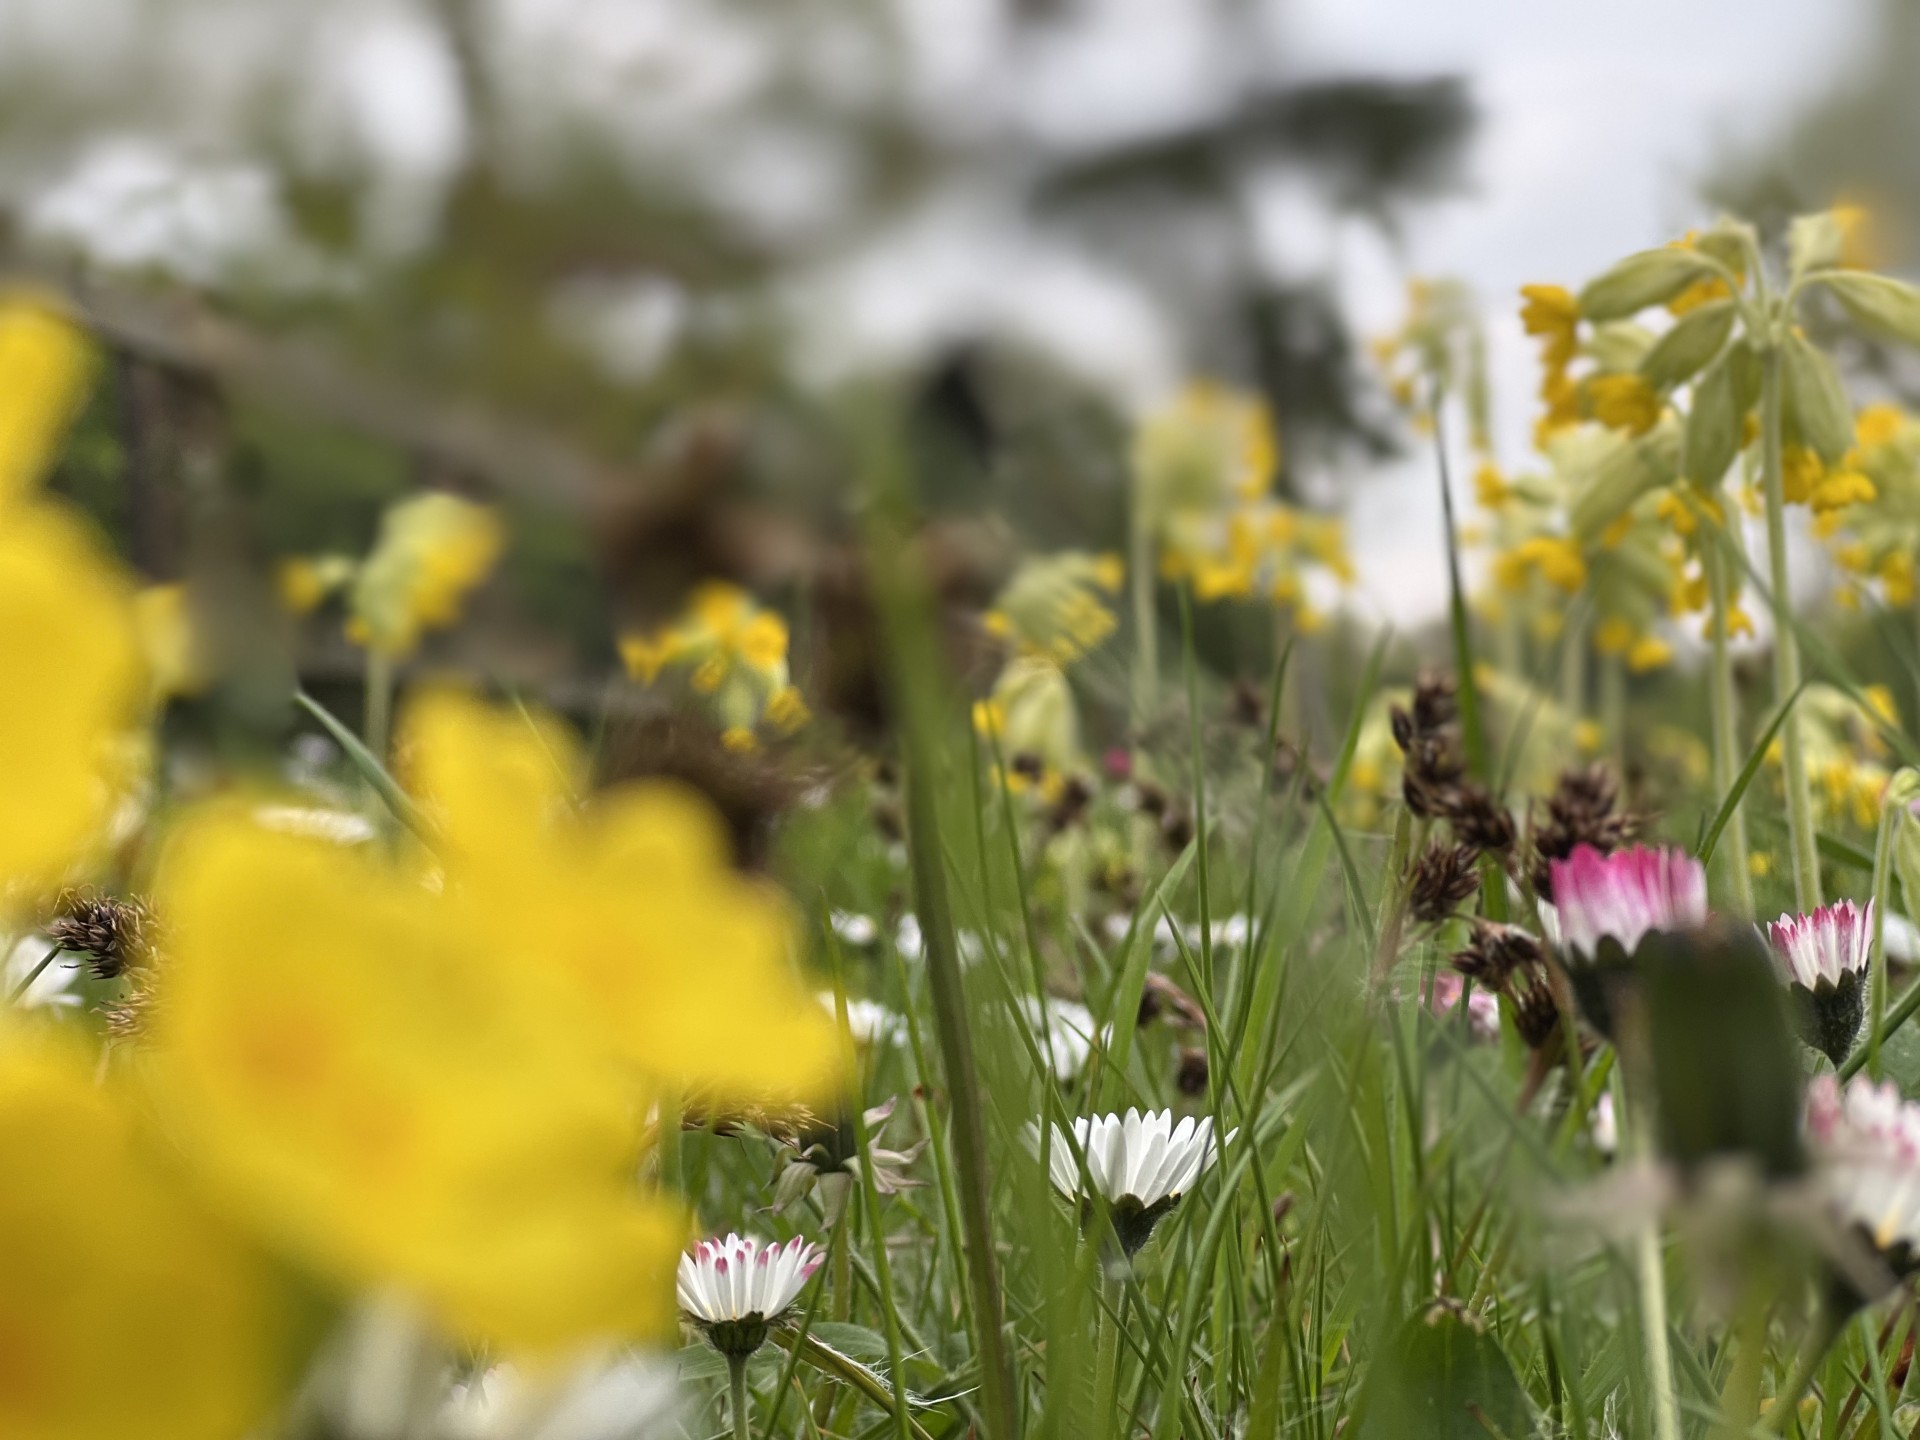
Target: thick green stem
[(1613, 706), (1882, 898), (1726, 732), (1650, 1275), (1786, 652), (1106, 1370), (737, 1385), (379, 702), (1146, 639)]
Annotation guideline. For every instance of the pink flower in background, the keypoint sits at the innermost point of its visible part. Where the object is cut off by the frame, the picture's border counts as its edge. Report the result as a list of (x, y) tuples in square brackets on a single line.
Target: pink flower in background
[(1626, 895), (1483, 1009), (1833, 942)]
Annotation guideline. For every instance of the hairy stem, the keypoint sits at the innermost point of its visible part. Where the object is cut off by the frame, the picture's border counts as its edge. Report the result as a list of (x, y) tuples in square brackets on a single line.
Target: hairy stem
[(1726, 732)]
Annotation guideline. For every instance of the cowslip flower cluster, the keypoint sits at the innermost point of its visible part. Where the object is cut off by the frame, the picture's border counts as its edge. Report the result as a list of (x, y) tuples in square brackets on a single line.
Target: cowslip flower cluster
[(734, 654), (1824, 957), (1878, 537), (1139, 1165), (1056, 606)]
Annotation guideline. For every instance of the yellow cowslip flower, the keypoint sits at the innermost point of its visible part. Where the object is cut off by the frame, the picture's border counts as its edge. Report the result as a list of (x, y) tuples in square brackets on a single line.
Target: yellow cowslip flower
[(1859, 247), (1760, 864), (1896, 573), (1839, 489), (176, 661), (1054, 606), (1555, 558), (1490, 487), (787, 711), (740, 740), (685, 964), (306, 581), (1588, 735), (1613, 636), (44, 366), (1624, 402), (1210, 445), (432, 550), (393, 1093), (1878, 425), (1648, 652), (734, 653), (1551, 312), (1800, 473), (989, 719), (1701, 292), (126, 1309)]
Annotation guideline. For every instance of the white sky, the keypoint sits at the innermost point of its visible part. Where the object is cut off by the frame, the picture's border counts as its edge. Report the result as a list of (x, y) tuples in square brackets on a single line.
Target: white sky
[(1597, 119)]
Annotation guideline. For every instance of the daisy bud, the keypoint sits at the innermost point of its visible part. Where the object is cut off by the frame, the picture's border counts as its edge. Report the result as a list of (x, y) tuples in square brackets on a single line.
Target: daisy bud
[(1824, 959)]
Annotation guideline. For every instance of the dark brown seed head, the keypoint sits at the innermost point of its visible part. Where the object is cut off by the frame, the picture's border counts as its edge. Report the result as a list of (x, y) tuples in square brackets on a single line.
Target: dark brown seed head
[(1495, 953), (1579, 812), (1536, 1015), (1191, 1078), (1443, 877), (1150, 798), (115, 935), (1248, 707), (1176, 828), (1027, 765), (1434, 707), (1432, 775), (1480, 820)]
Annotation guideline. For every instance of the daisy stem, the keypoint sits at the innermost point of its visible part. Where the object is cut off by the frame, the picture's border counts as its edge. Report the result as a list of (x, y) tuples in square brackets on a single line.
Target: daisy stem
[(1106, 1373), (737, 1384), (1649, 1265), (1726, 740), (34, 974), (1882, 897), (1786, 1400), (1146, 649), (1786, 652)]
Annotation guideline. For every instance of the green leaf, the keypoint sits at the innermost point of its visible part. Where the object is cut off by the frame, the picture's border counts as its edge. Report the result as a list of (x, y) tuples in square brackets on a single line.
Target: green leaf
[(1695, 339), (1745, 777), (1878, 303), (1715, 422), (1620, 346), (1445, 1379), (1816, 402), (371, 770), (1651, 277)]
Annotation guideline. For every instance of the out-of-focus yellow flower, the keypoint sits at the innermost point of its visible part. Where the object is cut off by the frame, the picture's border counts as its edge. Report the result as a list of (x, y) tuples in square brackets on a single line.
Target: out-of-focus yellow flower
[(787, 710), (1551, 312), (1211, 445), (1624, 402), (1490, 487), (1554, 558), (306, 581), (1896, 573), (1588, 735), (1839, 489), (44, 364), (433, 549), (176, 662), (1878, 425), (1800, 472), (1053, 607), (126, 1309), (69, 657), (734, 653), (1648, 652), (685, 964), (392, 1093), (1760, 864), (1613, 636)]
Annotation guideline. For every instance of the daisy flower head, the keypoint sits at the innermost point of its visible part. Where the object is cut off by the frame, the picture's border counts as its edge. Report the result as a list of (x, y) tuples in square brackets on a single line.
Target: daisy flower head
[(735, 1289), (1140, 1165), (1824, 959), (1866, 1144), (1625, 896), (1605, 905)]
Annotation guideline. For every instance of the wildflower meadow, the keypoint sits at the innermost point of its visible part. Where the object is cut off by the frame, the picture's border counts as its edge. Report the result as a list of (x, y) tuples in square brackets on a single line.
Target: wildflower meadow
[(756, 899)]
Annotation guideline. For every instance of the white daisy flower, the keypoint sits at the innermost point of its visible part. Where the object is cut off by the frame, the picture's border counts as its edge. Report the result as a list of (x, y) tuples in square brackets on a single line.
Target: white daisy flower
[(868, 1020), (907, 938), (857, 930), (1824, 959), (1140, 1165), (1866, 1142), (1625, 896), (1065, 1039), (735, 1288)]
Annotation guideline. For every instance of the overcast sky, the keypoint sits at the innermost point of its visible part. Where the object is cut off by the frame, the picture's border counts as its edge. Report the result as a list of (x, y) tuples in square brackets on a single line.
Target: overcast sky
[(1598, 120)]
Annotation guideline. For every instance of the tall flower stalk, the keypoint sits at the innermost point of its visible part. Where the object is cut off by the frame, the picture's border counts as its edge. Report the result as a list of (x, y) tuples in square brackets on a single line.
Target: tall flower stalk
[(1725, 731)]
